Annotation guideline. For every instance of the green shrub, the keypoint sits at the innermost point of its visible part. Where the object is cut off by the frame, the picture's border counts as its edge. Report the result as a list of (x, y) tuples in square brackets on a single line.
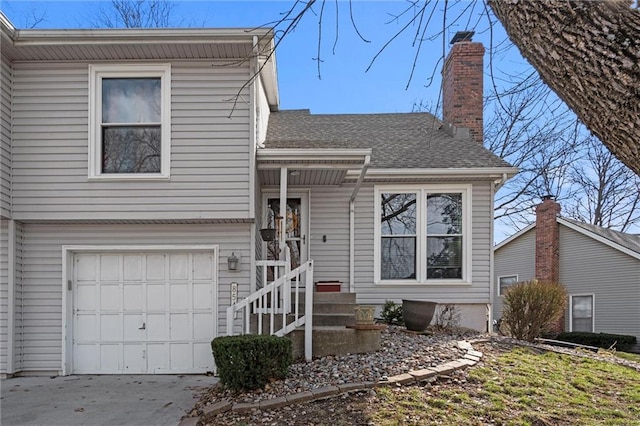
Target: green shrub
[(600, 340), (532, 307), (392, 313), (250, 361)]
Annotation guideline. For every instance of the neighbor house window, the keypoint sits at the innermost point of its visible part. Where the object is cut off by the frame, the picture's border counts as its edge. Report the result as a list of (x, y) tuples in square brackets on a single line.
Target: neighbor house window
[(129, 121), (505, 282), (422, 234), (582, 313)]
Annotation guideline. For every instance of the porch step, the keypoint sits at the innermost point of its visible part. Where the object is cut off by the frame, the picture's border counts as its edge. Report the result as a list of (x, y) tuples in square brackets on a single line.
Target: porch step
[(336, 341), (331, 297)]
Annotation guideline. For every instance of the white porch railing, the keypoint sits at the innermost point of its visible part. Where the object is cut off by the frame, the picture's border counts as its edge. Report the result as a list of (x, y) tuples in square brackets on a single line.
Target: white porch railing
[(274, 299)]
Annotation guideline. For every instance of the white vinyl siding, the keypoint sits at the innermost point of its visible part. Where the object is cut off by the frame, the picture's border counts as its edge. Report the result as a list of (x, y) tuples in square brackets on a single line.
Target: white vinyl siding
[(209, 149), (42, 276), (589, 267), (515, 258), (477, 292), (6, 81)]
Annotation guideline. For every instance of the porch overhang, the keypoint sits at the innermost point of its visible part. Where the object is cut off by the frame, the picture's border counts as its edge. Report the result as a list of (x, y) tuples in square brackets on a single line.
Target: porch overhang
[(311, 167), (498, 174)]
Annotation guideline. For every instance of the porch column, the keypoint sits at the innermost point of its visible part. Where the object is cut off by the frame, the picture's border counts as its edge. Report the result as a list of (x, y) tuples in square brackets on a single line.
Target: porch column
[(283, 211)]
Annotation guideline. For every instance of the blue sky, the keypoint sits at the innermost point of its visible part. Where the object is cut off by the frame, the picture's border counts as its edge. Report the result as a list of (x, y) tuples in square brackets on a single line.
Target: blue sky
[(344, 86)]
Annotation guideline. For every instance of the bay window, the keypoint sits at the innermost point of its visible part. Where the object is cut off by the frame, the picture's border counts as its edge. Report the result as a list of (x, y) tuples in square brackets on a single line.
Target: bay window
[(422, 234)]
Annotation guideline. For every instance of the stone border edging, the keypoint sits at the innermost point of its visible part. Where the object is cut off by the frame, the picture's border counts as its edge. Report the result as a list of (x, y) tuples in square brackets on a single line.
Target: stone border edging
[(470, 358)]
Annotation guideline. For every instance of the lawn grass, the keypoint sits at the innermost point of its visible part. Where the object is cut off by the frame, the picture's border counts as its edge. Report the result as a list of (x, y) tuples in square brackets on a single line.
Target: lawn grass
[(520, 387), (629, 356)]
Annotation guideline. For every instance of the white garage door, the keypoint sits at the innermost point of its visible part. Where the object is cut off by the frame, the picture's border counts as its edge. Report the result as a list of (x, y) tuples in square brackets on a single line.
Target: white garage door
[(137, 313)]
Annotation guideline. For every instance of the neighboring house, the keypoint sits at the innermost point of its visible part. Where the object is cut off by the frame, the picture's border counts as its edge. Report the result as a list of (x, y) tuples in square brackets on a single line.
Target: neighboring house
[(599, 267), (132, 183)]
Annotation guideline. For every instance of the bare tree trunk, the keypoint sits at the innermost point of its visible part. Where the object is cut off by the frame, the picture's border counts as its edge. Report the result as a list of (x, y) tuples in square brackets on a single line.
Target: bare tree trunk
[(588, 52)]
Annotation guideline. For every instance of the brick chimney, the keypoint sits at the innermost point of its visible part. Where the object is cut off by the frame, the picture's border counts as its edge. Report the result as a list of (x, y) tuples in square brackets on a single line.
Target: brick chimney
[(462, 86), (547, 240)]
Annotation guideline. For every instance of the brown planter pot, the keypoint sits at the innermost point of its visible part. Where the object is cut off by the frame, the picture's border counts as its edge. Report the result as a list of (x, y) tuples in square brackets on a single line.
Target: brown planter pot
[(417, 314)]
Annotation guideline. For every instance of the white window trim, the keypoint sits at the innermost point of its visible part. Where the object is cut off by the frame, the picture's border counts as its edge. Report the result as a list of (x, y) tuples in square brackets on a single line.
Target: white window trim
[(593, 310), (505, 276), (421, 270), (96, 73)]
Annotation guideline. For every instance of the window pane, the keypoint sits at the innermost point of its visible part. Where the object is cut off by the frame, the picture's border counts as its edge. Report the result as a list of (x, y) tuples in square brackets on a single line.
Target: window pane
[(131, 100), (131, 149), (444, 214), (582, 324), (506, 282), (398, 214), (582, 306), (444, 257), (398, 258)]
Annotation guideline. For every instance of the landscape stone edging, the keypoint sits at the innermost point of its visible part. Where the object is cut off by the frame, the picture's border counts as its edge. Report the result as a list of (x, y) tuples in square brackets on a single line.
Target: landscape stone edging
[(469, 359)]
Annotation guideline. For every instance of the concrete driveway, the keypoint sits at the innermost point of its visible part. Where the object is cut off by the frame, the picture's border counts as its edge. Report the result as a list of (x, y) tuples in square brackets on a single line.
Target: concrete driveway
[(100, 400)]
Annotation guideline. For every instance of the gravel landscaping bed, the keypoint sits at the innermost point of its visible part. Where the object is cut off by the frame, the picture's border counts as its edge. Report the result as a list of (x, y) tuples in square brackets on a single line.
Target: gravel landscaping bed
[(400, 352)]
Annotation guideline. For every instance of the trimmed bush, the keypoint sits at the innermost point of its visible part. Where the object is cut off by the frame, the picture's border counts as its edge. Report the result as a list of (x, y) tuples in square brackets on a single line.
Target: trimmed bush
[(532, 307), (250, 361), (392, 313), (600, 340)]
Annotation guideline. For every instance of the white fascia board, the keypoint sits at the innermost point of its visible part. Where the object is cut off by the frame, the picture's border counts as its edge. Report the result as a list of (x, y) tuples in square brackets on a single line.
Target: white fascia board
[(137, 36), (599, 238), (6, 24), (358, 155), (485, 172), (269, 76), (514, 236)]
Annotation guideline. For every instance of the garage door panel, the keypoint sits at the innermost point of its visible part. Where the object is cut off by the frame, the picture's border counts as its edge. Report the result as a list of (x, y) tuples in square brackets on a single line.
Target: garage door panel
[(110, 357), (157, 327), (179, 267), (156, 297), (132, 297), (86, 297), (202, 296), (155, 267), (85, 328), (131, 327), (111, 328), (202, 269), (143, 312), (132, 267), (179, 327), (110, 297), (109, 268), (179, 296), (202, 326), (85, 268)]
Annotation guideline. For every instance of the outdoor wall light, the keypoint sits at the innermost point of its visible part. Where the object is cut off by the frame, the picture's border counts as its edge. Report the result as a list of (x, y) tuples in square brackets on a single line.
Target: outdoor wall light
[(233, 262)]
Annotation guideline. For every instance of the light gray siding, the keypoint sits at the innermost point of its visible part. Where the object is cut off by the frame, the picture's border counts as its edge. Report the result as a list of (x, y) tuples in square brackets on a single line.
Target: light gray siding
[(209, 149), (6, 77), (370, 293), (588, 266), (4, 293), (329, 216), (514, 258), (42, 275)]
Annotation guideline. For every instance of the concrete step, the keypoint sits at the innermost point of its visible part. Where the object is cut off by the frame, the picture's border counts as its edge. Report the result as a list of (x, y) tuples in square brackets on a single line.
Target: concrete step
[(333, 319), (336, 297), (336, 341)]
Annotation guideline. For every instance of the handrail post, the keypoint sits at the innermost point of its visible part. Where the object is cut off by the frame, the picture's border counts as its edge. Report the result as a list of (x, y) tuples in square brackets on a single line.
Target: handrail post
[(230, 311), (308, 302)]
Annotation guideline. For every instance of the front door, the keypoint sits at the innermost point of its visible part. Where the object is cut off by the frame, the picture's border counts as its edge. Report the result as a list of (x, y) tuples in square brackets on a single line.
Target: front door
[(296, 228)]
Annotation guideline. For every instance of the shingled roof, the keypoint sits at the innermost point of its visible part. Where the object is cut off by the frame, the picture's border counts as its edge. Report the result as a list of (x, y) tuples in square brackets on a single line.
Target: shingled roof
[(397, 140)]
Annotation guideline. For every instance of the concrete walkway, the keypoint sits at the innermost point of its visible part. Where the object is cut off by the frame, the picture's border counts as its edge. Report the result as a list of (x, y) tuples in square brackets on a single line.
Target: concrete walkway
[(100, 400)]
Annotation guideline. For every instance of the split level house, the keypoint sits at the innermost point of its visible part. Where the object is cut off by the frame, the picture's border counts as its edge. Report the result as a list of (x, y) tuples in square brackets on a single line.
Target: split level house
[(140, 165), (599, 267)]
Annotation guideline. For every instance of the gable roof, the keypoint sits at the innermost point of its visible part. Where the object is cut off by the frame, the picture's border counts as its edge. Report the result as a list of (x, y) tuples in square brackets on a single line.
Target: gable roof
[(626, 243), (398, 140)]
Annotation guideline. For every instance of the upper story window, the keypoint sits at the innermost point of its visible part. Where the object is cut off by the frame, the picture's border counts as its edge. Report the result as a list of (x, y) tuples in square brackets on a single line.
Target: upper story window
[(129, 121), (423, 234)]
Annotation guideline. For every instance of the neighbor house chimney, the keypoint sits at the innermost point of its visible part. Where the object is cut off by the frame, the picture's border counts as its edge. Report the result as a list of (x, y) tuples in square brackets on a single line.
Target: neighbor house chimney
[(547, 240), (462, 86)]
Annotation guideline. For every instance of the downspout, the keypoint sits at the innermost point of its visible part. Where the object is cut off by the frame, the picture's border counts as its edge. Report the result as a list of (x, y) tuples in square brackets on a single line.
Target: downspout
[(496, 186), (11, 303), (253, 123), (352, 222)]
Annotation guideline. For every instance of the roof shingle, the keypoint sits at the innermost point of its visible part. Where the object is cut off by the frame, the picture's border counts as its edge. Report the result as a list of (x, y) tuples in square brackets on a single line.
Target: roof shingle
[(397, 140)]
